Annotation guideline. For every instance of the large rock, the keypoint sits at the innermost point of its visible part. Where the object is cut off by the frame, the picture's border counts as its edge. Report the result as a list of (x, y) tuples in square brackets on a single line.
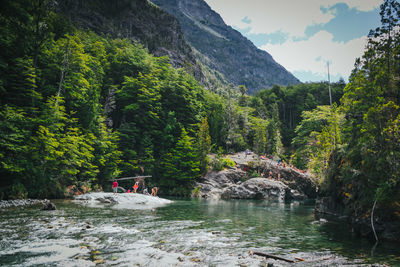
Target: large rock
[(121, 200), (229, 184), (258, 188), (214, 183), (285, 182), (293, 178)]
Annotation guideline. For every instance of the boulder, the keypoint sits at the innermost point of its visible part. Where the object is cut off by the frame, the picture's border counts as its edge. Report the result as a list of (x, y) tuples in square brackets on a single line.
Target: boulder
[(47, 205), (285, 183), (214, 183), (233, 184), (257, 188), (300, 181), (121, 200)]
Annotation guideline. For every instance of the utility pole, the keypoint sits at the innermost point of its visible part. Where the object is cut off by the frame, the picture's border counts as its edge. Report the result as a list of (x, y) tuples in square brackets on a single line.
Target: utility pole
[(330, 101), (329, 85)]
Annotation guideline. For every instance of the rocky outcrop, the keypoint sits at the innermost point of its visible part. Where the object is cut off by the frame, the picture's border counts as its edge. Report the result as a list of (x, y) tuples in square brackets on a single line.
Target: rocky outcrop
[(234, 58), (259, 188), (235, 184), (293, 178), (278, 182)]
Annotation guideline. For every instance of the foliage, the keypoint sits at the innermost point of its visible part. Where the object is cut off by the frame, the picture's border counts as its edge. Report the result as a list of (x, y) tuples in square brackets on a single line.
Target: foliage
[(326, 143), (285, 104), (18, 191), (180, 167), (203, 144), (312, 124), (361, 161), (196, 191), (77, 108), (219, 162)]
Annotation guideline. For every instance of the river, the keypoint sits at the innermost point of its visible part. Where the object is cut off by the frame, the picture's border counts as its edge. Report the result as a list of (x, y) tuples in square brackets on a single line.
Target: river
[(188, 232)]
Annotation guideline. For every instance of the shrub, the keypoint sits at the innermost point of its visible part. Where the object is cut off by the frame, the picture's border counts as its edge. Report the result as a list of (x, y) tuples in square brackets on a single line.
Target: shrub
[(196, 191), (18, 191), (220, 163)]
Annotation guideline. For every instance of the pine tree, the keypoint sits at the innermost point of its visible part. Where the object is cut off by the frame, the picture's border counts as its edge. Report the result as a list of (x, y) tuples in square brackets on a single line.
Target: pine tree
[(204, 143), (180, 167)]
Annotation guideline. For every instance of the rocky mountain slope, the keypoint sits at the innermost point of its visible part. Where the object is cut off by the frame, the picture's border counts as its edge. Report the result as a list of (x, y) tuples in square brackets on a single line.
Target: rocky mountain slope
[(222, 49), (137, 20)]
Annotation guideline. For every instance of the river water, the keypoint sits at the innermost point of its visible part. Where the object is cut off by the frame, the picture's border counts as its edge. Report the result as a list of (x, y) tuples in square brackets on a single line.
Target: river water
[(184, 233)]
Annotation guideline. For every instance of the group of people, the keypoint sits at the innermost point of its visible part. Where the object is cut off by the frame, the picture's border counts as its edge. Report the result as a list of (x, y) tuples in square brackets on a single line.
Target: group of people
[(282, 163), (135, 187), (271, 176)]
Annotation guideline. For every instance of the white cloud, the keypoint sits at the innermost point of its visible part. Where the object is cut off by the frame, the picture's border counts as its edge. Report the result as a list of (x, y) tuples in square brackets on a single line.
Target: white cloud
[(292, 17), (312, 54), (287, 16), (363, 5)]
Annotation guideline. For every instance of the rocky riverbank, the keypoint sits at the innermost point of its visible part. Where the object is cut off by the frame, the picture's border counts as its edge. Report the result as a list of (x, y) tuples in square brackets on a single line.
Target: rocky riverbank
[(21, 203), (235, 184), (276, 182)]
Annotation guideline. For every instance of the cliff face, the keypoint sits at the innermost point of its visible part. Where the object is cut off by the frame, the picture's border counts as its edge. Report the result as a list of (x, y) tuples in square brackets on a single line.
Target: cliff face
[(137, 20), (224, 49)]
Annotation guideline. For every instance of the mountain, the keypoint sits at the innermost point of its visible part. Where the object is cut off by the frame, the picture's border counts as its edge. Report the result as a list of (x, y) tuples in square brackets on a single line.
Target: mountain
[(224, 51), (137, 20), (189, 32)]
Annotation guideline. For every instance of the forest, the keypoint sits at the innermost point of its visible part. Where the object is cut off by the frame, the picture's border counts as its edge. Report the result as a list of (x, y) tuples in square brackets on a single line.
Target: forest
[(78, 109)]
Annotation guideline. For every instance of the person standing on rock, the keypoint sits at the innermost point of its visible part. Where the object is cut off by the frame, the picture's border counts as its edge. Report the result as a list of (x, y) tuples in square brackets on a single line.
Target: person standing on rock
[(135, 187), (154, 191), (115, 186)]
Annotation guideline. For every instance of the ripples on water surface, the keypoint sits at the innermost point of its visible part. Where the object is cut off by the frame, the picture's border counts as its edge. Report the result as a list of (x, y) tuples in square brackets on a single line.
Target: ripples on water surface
[(185, 233)]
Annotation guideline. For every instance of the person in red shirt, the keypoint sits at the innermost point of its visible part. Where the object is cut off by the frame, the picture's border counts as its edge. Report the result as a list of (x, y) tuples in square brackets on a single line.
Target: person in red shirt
[(115, 186), (135, 187)]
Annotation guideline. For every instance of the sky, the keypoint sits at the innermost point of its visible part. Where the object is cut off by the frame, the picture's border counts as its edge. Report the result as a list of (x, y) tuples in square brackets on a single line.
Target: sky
[(304, 35)]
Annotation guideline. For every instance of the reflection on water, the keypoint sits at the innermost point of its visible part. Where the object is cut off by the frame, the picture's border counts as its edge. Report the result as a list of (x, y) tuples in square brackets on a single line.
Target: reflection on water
[(185, 233)]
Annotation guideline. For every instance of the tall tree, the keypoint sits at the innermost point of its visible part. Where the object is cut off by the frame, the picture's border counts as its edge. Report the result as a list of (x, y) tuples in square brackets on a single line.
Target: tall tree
[(204, 143), (180, 167)]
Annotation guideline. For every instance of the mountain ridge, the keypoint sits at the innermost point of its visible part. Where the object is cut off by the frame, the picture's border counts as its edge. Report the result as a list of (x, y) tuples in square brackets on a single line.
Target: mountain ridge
[(136, 20), (227, 50), (189, 32)]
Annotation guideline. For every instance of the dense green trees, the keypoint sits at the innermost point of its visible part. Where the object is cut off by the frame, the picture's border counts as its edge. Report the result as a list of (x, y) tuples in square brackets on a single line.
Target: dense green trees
[(78, 109), (180, 167), (371, 107), (355, 147), (55, 84), (291, 101)]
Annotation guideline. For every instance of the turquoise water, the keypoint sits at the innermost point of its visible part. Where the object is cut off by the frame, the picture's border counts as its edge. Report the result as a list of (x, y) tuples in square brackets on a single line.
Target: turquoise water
[(184, 233)]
